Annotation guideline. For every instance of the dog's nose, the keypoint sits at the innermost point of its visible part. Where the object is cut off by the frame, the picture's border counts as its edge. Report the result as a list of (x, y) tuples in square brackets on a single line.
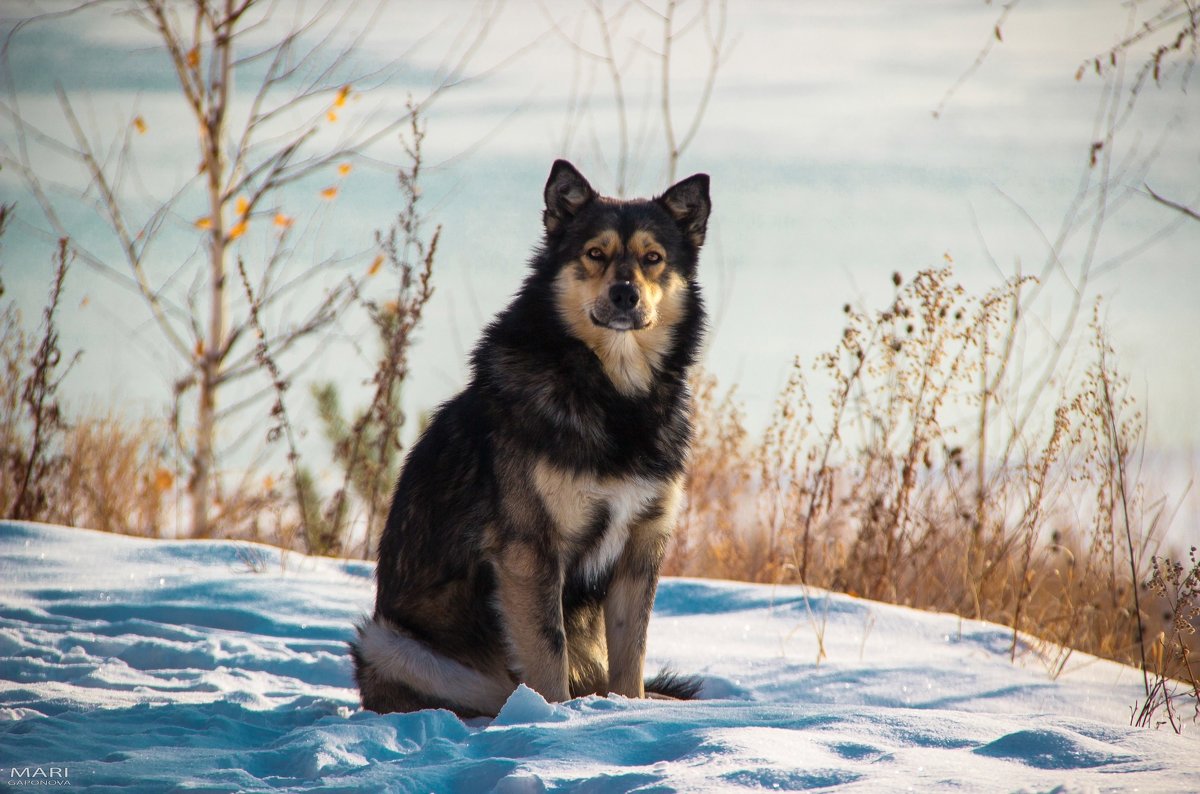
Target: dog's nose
[(623, 295)]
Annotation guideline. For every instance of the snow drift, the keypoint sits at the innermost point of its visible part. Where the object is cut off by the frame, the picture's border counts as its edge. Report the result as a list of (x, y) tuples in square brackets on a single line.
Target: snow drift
[(221, 666)]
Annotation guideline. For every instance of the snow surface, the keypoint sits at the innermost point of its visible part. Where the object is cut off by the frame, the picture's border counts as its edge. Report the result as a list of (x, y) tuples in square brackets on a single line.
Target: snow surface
[(220, 666)]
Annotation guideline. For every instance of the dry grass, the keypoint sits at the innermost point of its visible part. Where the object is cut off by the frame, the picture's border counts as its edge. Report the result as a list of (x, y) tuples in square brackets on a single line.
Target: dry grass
[(941, 476), (115, 479)]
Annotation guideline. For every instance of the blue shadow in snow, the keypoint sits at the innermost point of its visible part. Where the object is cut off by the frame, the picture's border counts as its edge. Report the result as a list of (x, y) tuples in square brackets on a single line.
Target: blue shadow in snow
[(682, 598)]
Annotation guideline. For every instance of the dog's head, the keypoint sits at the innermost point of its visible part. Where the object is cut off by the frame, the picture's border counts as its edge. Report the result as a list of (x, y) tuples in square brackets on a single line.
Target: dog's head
[(622, 267)]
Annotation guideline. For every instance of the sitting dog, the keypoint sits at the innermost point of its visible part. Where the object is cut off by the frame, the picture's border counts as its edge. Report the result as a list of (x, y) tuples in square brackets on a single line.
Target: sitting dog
[(527, 529)]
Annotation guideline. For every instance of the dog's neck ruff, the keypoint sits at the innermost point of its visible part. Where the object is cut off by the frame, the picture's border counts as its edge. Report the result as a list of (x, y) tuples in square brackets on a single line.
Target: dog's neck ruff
[(630, 358)]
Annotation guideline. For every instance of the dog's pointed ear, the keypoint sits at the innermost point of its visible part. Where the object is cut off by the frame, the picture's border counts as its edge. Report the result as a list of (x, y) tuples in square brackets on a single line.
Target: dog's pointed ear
[(689, 204), (567, 192)]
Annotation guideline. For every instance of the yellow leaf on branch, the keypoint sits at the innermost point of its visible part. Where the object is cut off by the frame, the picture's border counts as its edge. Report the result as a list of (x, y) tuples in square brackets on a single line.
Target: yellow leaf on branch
[(344, 169), (238, 230), (329, 193), (204, 223), (375, 265), (282, 221), (139, 124), (241, 205), (340, 99)]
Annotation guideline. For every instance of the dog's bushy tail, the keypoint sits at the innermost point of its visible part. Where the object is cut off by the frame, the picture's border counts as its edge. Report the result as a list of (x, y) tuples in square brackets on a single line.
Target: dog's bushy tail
[(397, 672), (671, 684)]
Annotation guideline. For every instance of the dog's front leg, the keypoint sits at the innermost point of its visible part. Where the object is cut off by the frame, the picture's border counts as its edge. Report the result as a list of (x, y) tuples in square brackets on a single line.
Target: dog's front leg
[(631, 595), (529, 583)]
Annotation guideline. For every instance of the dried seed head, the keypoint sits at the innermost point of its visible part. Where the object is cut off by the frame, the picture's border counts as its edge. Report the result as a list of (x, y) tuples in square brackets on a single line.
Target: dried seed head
[(896, 279)]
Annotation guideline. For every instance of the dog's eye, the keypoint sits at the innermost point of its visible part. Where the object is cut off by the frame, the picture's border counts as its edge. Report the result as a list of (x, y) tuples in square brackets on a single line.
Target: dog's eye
[(595, 253), (653, 258)]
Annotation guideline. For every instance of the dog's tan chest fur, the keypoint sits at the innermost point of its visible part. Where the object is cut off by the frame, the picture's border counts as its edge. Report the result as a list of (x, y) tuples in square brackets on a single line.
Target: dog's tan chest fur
[(573, 501)]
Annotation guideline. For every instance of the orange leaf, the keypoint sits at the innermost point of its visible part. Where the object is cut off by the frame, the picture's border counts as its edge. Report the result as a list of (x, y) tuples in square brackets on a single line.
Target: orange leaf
[(332, 116), (374, 268), (163, 480), (193, 57), (268, 482), (344, 169), (238, 230), (199, 350), (139, 124), (329, 193), (242, 205), (282, 221), (204, 223), (342, 93)]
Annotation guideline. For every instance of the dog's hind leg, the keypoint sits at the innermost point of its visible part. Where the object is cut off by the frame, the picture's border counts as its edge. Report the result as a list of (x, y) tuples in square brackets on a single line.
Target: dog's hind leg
[(397, 672), (529, 600)]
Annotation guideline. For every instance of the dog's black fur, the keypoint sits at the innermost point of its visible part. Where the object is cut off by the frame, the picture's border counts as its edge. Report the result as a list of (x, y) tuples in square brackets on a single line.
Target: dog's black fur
[(529, 523)]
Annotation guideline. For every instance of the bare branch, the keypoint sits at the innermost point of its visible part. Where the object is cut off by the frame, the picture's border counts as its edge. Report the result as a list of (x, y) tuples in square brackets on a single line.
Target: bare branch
[(995, 36), (117, 220), (1187, 211)]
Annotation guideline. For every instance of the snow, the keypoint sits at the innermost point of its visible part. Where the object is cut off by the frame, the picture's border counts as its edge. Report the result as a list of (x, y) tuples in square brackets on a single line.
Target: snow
[(147, 665)]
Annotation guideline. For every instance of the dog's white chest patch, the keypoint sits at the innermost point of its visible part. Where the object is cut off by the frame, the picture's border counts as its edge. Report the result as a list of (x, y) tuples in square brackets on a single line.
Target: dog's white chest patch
[(575, 502)]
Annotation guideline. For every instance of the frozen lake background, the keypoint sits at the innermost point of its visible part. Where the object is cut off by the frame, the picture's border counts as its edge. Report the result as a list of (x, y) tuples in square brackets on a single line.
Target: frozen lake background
[(829, 173)]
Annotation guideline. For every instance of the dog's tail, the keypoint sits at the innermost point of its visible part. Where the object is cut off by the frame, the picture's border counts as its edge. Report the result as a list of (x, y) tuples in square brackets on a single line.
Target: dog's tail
[(670, 684), (397, 672)]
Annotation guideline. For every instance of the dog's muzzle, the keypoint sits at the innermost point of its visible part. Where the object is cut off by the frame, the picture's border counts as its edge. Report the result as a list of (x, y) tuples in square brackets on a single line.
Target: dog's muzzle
[(622, 311)]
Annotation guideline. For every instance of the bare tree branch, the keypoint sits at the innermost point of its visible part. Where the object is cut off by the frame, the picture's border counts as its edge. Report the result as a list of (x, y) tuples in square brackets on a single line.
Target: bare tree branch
[(1166, 202)]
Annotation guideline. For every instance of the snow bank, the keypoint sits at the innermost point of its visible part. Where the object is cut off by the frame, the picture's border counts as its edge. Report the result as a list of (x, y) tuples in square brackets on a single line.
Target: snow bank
[(149, 666)]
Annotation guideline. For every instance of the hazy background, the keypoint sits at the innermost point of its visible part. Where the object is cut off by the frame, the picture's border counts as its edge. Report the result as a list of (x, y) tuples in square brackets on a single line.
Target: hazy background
[(829, 172)]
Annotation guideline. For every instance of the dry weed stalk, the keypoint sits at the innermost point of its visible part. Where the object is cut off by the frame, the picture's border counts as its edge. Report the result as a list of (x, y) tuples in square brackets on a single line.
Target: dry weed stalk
[(928, 480), (1177, 588), (34, 420), (319, 535), (369, 450)]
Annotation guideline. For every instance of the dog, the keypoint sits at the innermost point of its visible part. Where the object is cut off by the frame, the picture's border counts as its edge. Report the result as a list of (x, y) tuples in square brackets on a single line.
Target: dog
[(529, 523)]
